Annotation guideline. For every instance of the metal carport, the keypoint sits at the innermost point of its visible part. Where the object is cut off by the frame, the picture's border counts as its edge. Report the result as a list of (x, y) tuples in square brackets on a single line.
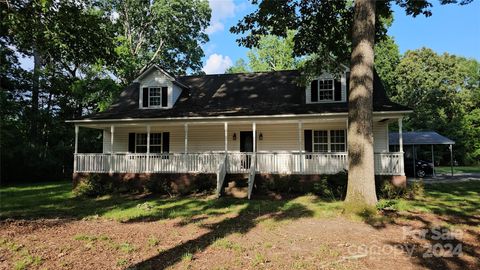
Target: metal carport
[(423, 138)]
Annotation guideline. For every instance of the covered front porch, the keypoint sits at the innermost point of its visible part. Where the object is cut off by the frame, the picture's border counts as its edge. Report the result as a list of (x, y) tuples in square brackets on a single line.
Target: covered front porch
[(234, 162), (305, 146)]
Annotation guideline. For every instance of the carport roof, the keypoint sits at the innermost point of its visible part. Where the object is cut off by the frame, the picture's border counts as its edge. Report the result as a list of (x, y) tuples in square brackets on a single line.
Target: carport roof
[(419, 137)]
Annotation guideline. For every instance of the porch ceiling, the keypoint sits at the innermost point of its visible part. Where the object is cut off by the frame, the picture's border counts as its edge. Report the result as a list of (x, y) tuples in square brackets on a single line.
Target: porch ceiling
[(281, 119)]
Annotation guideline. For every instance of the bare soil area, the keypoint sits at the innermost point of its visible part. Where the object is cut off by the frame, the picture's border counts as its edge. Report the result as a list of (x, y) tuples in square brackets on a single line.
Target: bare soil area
[(264, 241)]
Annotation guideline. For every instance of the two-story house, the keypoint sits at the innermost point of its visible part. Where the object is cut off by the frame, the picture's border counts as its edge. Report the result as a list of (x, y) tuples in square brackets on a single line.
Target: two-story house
[(254, 123)]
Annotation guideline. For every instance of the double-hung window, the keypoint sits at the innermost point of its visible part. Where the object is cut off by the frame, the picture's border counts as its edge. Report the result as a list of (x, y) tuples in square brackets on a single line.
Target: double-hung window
[(155, 142), (337, 141), (155, 97), (329, 141), (320, 141), (325, 89)]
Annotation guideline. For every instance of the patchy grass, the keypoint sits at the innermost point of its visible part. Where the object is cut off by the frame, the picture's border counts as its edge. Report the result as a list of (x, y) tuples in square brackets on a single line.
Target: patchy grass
[(445, 199), (57, 200), (122, 262), (194, 232), (457, 169), (153, 241), (228, 245), (125, 247), (53, 200), (24, 260), (187, 257)]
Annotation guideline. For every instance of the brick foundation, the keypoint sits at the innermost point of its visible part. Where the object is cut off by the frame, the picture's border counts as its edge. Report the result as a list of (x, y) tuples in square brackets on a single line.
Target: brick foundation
[(184, 183), (177, 183)]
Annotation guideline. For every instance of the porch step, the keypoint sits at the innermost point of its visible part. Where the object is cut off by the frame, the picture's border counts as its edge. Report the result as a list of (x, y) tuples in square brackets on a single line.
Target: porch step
[(237, 186)]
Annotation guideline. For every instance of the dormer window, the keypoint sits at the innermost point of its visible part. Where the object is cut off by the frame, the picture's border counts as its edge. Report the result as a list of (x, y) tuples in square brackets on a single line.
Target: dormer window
[(325, 90), (155, 97)]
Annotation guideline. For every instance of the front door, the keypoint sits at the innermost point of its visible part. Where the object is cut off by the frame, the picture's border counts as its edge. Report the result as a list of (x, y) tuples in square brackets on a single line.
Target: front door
[(246, 146)]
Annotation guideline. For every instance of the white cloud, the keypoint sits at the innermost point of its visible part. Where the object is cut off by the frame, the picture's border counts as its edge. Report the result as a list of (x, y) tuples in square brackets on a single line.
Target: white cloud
[(221, 10), (214, 27), (217, 63)]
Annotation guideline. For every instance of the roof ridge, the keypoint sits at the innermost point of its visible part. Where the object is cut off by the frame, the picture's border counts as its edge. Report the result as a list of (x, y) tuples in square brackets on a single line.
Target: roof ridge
[(240, 73)]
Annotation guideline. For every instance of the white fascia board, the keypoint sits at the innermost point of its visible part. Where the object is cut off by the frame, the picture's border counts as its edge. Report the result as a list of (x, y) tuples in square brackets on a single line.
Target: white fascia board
[(394, 114)]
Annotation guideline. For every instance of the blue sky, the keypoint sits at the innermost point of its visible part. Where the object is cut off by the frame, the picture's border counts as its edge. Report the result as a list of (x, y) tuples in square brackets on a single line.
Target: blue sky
[(452, 28)]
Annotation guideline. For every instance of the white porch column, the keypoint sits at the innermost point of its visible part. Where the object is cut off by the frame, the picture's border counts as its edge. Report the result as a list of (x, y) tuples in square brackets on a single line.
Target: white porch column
[(112, 132), (400, 135), (76, 149), (400, 143), (254, 128), (300, 156), (185, 148), (148, 149), (225, 128), (185, 127)]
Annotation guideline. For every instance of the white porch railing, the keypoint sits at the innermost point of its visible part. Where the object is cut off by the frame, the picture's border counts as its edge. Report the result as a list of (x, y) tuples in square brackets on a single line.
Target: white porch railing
[(389, 163), (236, 162)]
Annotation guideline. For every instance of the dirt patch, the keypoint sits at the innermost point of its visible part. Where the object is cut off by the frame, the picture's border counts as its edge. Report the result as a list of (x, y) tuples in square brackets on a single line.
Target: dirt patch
[(231, 242)]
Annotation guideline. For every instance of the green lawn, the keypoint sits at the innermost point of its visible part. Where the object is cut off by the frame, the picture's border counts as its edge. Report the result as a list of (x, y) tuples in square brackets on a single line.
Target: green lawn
[(458, 169), (52, 200), (455, 200), (56, 200)]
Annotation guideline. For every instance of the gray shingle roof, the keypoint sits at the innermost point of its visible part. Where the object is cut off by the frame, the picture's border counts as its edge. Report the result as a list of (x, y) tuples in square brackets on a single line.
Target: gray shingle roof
[(419, 137), (244, 94)]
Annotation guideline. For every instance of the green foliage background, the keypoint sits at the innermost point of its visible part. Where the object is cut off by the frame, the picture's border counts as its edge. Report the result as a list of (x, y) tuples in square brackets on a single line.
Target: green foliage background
[(84, 53), (442, 89)]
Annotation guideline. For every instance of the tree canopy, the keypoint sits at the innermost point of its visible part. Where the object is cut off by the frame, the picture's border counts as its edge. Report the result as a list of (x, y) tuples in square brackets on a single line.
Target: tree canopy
[(83, 53), (322, 28), (443, 90), (272, 53), (166, 32)]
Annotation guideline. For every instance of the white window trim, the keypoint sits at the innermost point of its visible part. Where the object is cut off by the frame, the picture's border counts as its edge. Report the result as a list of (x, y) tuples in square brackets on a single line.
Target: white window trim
[(156, 106), (327, 143), (161, 142), (325, 90), (329, 140), (150, 96), (160, 96), (325, 76)]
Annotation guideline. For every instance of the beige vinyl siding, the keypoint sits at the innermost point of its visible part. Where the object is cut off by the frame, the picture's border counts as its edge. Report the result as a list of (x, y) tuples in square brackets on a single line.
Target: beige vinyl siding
[(205, 138), (120, 138), (380, 137), (278, 137)]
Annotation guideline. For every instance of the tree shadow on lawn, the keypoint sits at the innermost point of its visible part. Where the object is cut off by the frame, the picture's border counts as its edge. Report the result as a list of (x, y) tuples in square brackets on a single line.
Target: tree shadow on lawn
[(449, 207), (56, 200), (437, 246), (251, 213)]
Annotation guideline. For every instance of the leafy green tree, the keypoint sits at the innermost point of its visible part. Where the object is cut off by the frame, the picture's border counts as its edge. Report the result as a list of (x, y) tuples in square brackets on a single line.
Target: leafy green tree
[(272, 53), (68, 41), (239, 67), (61, 36), (443, 91), (471, 136), (337, 32), (164, 32), (387, 57)]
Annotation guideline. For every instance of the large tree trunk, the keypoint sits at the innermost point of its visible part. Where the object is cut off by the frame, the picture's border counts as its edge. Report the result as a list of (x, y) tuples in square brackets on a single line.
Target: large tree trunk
[(361, 174)]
